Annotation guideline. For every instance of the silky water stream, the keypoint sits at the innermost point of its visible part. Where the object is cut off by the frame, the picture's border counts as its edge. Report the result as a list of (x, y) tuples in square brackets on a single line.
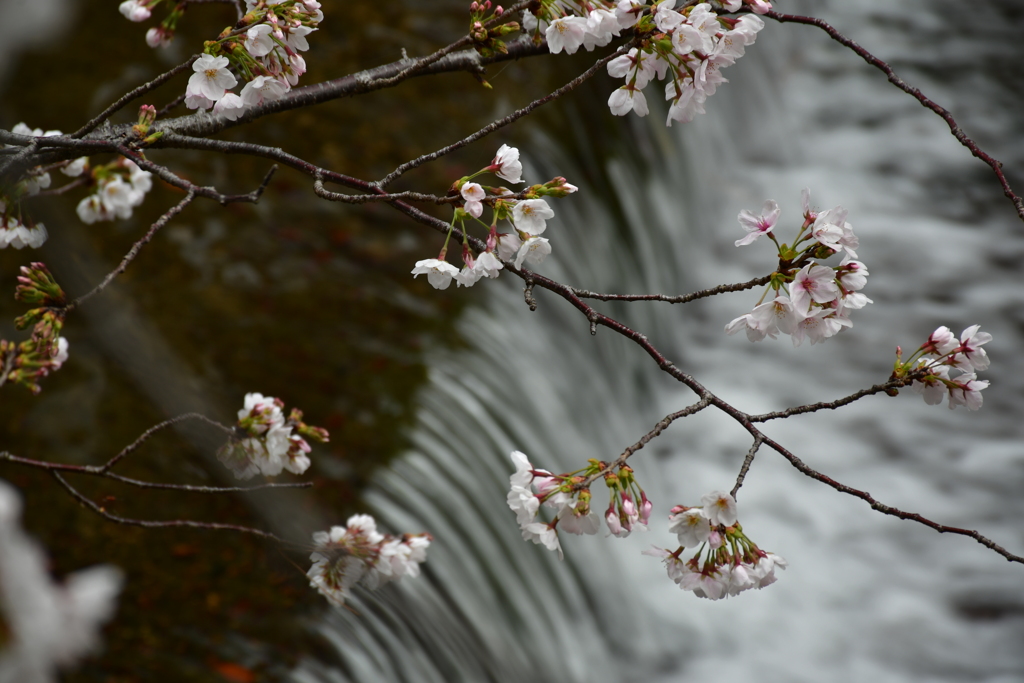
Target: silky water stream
[(866, 597)]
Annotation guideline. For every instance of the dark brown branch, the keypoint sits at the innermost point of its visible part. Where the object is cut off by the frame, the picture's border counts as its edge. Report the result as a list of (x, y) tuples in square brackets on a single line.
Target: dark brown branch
[(134, 251), (747, 462), (832, 405), (170, 178), (954, 127), (129, 449), (880, 507), (188, 488), (650, 436), (680, 299), (318, 189), (501, 123), (134, 94), (152, 524)]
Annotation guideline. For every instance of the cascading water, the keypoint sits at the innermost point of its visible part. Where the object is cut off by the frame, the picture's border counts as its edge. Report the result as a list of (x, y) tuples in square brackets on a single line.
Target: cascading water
[(866, 597)]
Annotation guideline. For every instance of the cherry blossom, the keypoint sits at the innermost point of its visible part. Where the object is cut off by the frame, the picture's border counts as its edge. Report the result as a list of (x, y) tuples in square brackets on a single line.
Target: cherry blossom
[(566, 33), (506, 164), (272, 445), (439, 273), (534, 250), (474, 194), (211, 78), (531, 216), (627, 99), (727, 562), (758, 225), (359, 553), (719, 507), (813, 284)]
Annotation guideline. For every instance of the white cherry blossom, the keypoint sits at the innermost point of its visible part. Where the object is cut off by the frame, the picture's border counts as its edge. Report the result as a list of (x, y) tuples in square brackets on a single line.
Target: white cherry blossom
[(211, 78), (439, 273), (531, 216)]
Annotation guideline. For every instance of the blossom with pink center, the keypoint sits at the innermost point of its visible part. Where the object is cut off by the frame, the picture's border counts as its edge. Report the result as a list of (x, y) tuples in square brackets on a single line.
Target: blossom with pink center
[(813, 284), (852, 275), (933, 386), (940, 342), (758, 225), (966, 391), (970, 354)]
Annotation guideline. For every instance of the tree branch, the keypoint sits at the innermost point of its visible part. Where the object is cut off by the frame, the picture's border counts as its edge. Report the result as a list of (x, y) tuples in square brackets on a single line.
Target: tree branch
[(954, 127)]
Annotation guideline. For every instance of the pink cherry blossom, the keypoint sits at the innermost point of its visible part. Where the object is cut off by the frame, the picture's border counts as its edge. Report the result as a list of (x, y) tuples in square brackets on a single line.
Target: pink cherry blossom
[(813, 284), (758, 225)]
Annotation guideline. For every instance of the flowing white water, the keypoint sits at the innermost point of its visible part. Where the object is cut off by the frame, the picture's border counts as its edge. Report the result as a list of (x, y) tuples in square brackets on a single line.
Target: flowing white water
[(867, 597)]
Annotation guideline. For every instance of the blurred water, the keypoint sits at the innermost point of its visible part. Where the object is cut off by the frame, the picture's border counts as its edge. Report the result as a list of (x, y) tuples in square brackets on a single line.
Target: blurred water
[(866, 596)]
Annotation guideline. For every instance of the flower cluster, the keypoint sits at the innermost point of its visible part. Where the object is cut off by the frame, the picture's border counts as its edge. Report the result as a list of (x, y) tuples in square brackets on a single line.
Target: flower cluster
[(569, 495), (731, 564), (120, 187), (528, 216), (812, 301), (943, 353), (687, 49), (266, 55), (358, 553), (18, 234), (271, 446)]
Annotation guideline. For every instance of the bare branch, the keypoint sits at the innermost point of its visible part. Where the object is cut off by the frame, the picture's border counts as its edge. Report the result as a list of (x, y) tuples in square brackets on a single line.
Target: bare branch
[(134, 251), (151, 524), (680, 299), (501, 123), (881, 507), (747, 462), (136, 93), (954, 127)]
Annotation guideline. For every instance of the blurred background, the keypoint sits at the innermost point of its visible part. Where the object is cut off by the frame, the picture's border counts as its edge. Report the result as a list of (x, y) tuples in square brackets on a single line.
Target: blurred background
[(426, 392)]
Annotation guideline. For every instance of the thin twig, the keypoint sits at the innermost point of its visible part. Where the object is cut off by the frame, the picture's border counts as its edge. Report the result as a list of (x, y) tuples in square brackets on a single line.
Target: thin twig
[(152, 524), (320, 191), (954, 127), (881, 507), (679, 299), (129, 449), (649, 436), (747, 462), (501, 123), (95, 471), (134, 251), (132, 95)]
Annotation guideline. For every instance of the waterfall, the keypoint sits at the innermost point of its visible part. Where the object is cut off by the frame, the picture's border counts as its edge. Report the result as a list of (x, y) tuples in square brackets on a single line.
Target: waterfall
[(866, 596)]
